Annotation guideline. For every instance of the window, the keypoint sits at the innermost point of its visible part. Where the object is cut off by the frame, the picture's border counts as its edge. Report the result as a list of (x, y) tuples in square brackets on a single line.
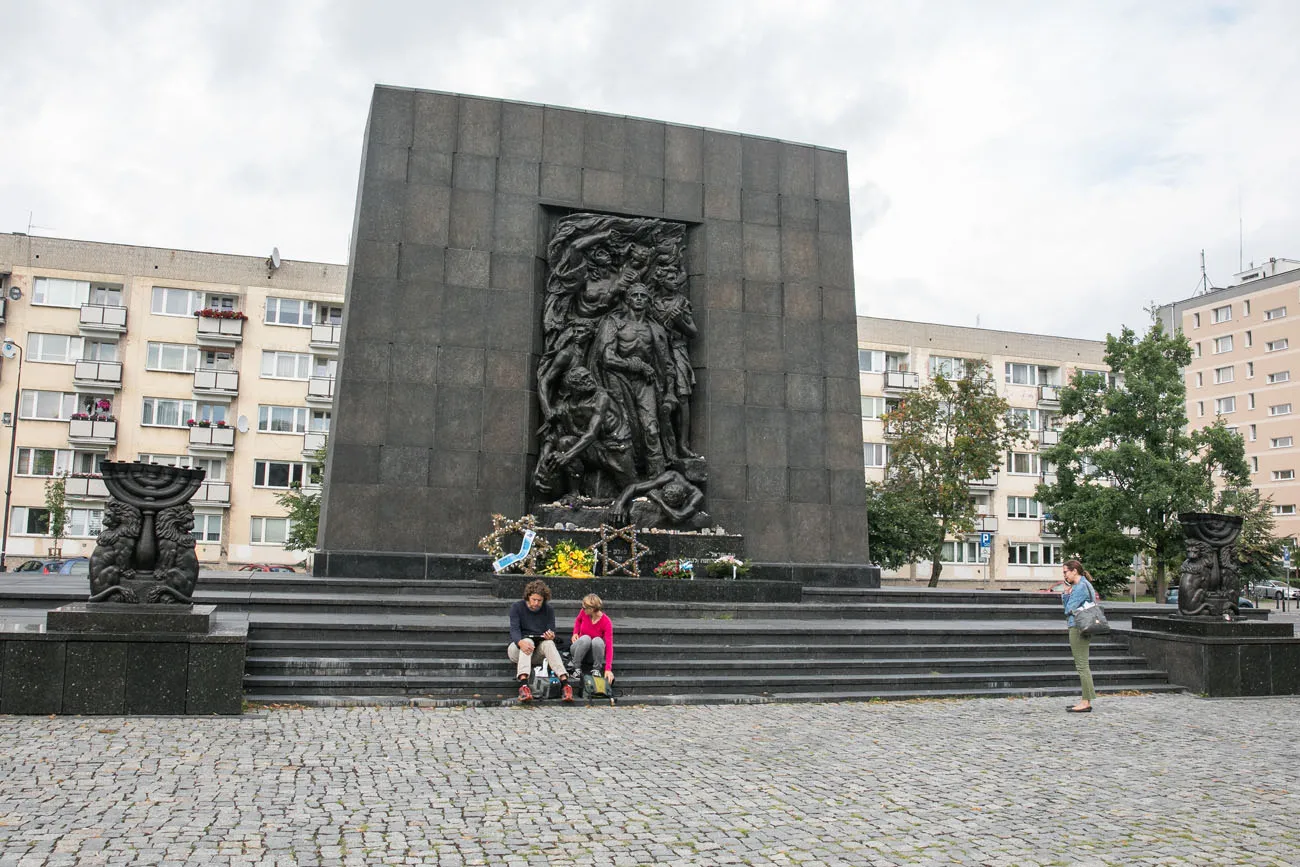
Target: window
[(285, 419), (216, 359), (289, 311), (1288, 509), (280, 474), (56, 292), (1022, 463), (1224, 405), (1196, 320), (105, 295), (320, 421), (1024, 555), (1052, 554), (960, 552), (1276, 345), (327, 314), (207, 528), (1283, 475), (1280, 409), (947, 367), (31, 521), (83, 523), (875, 454), (1221, 314), (1200, 379), (1021, 374), (99, 350), (1223, 344), (1253, 433), (324, 366), (1223, 374), (268, 531), (1279, 442), (213, 412), (286, 365), (217, 301), (895, 361), (1196, 349), (53, 348), (871, 361), (1200, 409), (43, 462), (166, 412), (1275, 313), (167, 460), (873, 407), (1249, 339), (1245, 308), (174, 302), (49, 405), (175, 357), (1250, 370), (1028, 419), (1022, 507), (1280, 376), (1254, 464)]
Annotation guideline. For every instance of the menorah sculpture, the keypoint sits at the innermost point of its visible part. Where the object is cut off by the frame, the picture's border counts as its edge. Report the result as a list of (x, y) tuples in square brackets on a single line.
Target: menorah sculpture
[(1210, 579), (145, 551)]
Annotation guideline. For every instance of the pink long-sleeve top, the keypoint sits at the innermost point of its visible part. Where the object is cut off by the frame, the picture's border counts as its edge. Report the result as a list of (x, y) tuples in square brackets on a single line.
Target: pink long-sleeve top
[(602, 628)]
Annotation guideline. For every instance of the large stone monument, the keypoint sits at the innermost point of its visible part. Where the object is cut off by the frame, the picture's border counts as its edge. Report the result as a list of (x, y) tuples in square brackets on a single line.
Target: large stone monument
[(626, 319)]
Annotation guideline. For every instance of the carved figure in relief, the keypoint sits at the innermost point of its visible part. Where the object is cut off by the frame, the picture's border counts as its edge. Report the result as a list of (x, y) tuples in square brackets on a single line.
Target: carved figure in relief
[(586, 433), (671, 492), (672, 309), (110, 562)]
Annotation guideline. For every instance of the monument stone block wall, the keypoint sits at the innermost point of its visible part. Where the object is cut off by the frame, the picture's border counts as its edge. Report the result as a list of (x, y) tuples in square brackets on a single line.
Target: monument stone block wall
[(436, 406)]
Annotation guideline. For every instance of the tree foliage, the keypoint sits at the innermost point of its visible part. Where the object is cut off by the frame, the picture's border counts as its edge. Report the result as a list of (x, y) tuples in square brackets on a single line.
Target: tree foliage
[(1259, 550), (303, 509), (900, 530), (56, 503), (950, 433), (1126, 464)]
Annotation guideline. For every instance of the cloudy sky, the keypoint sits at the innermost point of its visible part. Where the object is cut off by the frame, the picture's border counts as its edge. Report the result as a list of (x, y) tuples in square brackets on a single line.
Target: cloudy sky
[(1047, 167)]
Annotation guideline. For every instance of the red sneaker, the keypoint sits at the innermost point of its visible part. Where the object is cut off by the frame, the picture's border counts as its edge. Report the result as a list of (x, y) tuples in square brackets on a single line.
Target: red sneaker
[(525, 694), (566, 694)]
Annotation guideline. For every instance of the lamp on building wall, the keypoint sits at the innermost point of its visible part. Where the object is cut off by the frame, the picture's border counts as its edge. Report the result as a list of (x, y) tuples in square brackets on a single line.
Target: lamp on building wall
[(11, 350)]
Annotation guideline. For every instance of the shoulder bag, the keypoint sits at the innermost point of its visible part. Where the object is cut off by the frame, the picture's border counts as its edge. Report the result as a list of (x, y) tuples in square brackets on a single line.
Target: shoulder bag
[(1089, 617)]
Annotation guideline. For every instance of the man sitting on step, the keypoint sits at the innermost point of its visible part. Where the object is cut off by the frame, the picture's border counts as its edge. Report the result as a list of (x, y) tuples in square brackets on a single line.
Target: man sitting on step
[(532, 632)]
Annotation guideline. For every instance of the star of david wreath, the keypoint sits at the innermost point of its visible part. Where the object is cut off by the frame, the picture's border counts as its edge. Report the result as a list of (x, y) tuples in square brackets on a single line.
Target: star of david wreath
[(611, 566)]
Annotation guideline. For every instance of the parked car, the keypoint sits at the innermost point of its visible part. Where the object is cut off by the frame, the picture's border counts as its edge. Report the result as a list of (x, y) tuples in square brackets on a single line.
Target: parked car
[(1171, 598), (71, 566), (266, 567), (1273, 589), (33, 565)]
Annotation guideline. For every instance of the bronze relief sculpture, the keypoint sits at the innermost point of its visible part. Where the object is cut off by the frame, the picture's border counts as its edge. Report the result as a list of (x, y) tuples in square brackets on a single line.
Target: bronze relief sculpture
[(615, 380)]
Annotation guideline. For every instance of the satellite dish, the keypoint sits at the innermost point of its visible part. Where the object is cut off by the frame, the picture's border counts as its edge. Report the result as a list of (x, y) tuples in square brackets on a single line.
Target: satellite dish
[(274, 262), (15, 293), (9, 350), (241, 424)]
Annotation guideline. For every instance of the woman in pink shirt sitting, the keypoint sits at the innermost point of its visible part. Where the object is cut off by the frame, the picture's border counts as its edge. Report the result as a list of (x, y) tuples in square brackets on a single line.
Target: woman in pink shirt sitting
[(593, 633)]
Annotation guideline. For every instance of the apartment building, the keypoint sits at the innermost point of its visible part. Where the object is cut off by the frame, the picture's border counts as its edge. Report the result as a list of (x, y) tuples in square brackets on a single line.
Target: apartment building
[(167, 356), (1245, 346), (896, 358)]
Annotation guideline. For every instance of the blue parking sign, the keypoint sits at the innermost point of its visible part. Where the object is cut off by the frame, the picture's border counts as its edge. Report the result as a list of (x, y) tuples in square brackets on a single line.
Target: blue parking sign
[(986, 540)]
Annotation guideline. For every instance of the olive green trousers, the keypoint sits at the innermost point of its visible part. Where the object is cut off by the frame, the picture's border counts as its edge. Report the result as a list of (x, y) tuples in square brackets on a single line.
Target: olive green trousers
[(1080, 644)]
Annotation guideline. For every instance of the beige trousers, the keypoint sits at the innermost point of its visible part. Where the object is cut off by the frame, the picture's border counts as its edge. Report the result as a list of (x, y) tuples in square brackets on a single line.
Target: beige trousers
[(524, 664)]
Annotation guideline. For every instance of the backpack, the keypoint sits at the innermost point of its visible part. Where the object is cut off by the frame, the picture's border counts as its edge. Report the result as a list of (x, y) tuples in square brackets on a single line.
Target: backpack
[(596, 686), (544, 683)]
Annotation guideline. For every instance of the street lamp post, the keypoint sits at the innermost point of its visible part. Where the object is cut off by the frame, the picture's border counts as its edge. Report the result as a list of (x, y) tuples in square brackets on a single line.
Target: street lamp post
[(11, 350)]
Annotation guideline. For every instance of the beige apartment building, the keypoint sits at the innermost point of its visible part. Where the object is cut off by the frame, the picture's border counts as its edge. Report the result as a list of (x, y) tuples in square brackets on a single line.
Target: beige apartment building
[(895, 358), (1245, 346), (168, 356)]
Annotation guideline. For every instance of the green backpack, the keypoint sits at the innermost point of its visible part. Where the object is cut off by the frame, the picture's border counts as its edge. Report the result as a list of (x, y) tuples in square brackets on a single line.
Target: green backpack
[(597, 686)]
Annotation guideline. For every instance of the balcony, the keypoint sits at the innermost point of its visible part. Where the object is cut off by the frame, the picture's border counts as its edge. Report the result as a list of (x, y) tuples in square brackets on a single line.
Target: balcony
[(1049, 396), (212, 439), (85, 489), (212, 494), (1047, 477), (320, 390), (987, 484), (312, 443), (986, 524), (1049, 437), (1045, 529), (97, 319), (213, 331), (892, 430), (901, 381), (216, 383), (325, 338), (98, 374), (91, 434)]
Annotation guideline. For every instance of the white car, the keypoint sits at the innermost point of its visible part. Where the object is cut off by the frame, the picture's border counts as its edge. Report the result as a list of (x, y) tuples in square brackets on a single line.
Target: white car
[(1274, 589)]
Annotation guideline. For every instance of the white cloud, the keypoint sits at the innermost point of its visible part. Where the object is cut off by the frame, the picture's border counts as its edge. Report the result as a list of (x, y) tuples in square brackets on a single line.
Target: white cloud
[(1048, 167)]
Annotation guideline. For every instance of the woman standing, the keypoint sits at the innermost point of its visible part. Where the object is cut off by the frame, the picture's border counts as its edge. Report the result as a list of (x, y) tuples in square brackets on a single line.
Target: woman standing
[(1081, 591)]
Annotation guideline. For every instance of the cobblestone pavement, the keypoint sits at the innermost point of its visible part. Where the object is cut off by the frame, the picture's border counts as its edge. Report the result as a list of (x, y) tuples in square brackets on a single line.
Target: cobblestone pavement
[(1168, 779)]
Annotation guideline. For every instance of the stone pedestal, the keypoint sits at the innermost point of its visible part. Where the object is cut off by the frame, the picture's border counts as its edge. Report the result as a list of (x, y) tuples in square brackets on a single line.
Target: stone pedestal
[(1221, 658), (117, 659), (615, 590)]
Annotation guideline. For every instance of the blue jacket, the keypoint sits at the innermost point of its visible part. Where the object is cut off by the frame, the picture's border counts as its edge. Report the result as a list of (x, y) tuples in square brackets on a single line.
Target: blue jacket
[(1081, 592)]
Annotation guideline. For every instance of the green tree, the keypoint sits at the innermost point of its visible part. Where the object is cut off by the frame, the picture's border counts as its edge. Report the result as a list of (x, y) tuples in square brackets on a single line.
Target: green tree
[(56, 503), (1259, 550), (950, 433), (303, 508), (899, 530), (1126, 464)]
